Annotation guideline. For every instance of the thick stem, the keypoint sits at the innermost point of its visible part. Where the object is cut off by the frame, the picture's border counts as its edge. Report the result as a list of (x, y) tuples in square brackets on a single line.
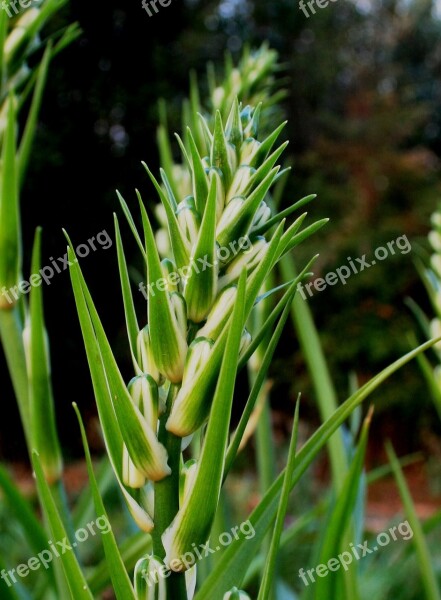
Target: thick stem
[(167, 499)]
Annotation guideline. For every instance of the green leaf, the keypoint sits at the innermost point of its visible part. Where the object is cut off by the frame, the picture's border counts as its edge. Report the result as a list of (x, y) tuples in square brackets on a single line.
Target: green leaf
[(177, 239), (129, 307), (199, 177), (219, 150), (75, 577), (120, 579), (42, 412), (427, 571), (237, 557), (147, 454), (283, 214), (270, 567), (201, 286), (169, 344), (10, 228), (339, 522), (33, 531), (193, 522), (131, 223), (31, 123), (111, 431)]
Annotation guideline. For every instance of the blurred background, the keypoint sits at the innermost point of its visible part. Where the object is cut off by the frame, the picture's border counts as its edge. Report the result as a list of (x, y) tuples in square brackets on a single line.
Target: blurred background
[(364, 111)]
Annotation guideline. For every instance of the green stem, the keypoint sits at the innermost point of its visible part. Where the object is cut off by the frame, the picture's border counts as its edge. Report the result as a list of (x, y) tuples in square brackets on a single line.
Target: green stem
[(167, 499), (11, 328)]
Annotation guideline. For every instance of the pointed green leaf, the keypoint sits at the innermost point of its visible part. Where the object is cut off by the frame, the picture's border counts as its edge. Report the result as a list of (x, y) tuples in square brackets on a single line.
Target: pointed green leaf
[(129, 307), (425, 562), (179, 247), (201, 286), (340, 519), (169, 345), (10, 228), (219, 151), (266, 585), (120, 579), (111, 431), (43, 425), (74, 575), (31, 123), (147, 454), (199, 177)]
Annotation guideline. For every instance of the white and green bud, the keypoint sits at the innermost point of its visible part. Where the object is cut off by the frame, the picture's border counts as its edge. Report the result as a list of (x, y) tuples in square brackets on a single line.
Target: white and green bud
[(201, 286), (18, 34), (248, 260), (189, 220), (171, 275), (150, 582), (131, 476), (190, 407), (435, 240), (229, 217), (179, 307), (435, 263), (219, 314), (143, 390), (262, 215), (145, 358), (249, 151), (245, 341), (240, 183), (186, 479), (163, 242), (236, 594), (198, 353)]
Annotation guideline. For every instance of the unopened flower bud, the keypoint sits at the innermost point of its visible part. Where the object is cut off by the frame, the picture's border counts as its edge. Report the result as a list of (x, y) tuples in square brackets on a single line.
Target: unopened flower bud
[(241, 179), (248, 152), (219, 314), (150, 583), (143, 390), (186, 479), (229, 217), (171, 276), (262, 215), (249, 260), (145, 356), (189, 219), (131, 476), (435, 240)]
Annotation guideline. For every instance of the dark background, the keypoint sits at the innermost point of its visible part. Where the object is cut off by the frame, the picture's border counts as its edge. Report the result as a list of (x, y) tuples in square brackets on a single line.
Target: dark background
[(364, 116)]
